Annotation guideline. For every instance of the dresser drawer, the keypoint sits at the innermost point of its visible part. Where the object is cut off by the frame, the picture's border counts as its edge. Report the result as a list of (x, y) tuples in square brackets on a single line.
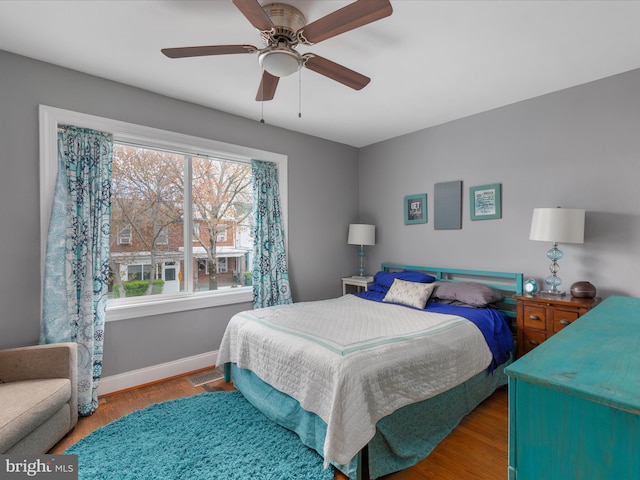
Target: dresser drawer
[(563, 318), (534, 317), (531, 339)]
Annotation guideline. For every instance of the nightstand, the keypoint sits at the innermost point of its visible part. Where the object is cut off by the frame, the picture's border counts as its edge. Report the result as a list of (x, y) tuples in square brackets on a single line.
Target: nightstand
[(357, 284), (540, 316)]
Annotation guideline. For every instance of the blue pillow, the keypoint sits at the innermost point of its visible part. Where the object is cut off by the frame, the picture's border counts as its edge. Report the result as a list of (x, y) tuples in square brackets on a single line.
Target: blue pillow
[(385, 279)]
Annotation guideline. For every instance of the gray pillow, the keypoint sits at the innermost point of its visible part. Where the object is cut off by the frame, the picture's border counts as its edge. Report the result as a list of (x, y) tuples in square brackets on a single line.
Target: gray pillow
[(471, 293)]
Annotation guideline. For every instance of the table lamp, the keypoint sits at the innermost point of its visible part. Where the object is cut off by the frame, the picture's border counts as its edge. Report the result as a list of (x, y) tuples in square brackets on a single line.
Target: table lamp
[(361, 234), (556, 225)]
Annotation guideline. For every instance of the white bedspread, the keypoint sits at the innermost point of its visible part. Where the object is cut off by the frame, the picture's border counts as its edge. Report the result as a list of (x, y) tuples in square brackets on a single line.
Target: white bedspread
[(353, 361)]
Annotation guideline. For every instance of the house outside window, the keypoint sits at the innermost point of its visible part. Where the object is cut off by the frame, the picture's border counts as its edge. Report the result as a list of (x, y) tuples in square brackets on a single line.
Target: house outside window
[(193, 227)]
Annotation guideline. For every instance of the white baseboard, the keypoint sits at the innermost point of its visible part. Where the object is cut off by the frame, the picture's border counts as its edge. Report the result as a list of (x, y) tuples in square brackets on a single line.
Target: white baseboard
[(133, 378)]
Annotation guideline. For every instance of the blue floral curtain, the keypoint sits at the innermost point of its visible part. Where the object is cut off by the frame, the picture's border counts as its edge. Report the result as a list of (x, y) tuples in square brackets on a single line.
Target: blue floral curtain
[(270, 275), (77, 257)]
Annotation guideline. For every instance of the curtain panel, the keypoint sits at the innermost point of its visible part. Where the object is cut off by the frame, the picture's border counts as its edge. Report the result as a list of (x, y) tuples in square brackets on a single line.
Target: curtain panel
[(270, 274), (77, 256)]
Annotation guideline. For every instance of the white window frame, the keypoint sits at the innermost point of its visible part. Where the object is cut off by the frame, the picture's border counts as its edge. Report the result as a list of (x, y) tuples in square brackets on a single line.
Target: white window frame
[(52, 117)]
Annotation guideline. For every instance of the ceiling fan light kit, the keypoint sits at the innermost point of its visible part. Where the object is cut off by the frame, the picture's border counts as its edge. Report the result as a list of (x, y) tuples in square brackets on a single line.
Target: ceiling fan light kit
[(280, 61), (282, 28)]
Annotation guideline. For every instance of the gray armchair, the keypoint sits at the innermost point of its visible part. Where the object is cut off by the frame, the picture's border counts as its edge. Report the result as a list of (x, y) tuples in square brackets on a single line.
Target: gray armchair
[(38, 397)]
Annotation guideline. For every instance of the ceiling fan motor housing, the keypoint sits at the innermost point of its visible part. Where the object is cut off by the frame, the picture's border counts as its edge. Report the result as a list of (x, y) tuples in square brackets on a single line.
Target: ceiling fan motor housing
[(287, 20)]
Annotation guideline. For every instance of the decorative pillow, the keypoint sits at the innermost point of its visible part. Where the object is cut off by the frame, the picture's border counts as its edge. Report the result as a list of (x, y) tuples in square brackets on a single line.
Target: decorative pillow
[(385, 279), (471, 293), (412, 294)]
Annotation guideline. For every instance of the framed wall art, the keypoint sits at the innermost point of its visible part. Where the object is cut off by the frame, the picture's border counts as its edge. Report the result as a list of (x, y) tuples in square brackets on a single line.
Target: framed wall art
[(415, 209), (447, 205), (485, 202)]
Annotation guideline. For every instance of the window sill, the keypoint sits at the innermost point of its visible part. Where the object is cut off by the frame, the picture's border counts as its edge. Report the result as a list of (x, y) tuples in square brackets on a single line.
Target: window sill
[(178, 303)]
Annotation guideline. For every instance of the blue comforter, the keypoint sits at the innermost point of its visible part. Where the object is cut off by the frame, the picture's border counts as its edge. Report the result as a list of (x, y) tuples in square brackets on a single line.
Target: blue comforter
[(493, 324)]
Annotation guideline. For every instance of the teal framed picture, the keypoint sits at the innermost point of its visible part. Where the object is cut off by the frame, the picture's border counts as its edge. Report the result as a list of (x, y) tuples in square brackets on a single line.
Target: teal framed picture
[(486, 202), (415, 209)]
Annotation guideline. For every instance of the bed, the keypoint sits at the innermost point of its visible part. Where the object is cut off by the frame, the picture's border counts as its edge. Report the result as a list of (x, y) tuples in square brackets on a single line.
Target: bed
[(373, 381)]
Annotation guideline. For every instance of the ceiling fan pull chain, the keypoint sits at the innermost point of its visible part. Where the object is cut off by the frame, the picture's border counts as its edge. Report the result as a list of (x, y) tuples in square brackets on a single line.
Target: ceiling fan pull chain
[(300, 93), (262, 102)]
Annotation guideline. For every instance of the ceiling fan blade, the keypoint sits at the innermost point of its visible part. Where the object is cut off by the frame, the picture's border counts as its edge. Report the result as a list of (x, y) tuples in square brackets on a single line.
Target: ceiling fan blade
[(336, 72), (183, 52), (267, 88), (352, 16), (253, 12)]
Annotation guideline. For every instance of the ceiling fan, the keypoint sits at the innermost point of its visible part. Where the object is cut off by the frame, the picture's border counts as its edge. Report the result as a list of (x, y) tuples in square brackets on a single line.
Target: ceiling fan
[(282, 28)]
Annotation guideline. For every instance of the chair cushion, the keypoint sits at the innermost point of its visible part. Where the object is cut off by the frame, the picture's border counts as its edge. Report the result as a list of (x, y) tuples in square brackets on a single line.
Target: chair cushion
[(27, 404)]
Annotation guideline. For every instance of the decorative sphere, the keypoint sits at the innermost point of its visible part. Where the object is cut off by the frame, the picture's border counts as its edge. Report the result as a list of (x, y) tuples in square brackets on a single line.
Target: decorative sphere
[(583, 290), (554, 254), (530, 285)]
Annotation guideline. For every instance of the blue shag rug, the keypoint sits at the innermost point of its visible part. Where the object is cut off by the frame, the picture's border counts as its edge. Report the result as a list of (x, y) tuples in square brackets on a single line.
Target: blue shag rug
[(206, 436)]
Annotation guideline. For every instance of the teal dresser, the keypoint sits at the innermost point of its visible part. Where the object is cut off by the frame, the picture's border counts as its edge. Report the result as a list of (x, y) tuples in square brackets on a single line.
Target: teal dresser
[(574, 401)]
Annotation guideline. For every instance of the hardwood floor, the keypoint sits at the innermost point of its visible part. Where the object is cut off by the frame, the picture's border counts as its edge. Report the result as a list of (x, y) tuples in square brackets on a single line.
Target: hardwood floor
[(475, 450)]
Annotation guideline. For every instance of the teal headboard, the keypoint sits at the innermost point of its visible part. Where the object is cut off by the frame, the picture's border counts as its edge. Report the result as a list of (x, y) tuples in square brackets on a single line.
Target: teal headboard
[(509, 283)]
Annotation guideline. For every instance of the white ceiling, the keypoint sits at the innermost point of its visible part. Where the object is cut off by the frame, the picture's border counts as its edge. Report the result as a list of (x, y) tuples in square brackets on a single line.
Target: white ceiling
[(430, 62)]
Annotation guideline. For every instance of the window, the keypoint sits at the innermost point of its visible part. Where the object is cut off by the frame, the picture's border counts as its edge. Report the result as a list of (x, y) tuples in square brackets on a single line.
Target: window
[(138, 272), (223, 265), (163, 235), (169, 214), (124, 236), (222, 232), (154, 190), (204, 266)]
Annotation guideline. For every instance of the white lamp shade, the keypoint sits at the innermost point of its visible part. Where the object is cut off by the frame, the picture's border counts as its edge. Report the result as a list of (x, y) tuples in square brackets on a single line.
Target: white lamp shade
[(361, 234), (562, 225)]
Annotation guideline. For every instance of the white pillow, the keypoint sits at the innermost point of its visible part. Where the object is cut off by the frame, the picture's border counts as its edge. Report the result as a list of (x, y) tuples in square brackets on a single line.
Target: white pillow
[(412, 294)]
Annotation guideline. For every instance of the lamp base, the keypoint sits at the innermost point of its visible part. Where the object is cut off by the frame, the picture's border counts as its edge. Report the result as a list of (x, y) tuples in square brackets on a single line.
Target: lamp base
[(557, 293), (361, 270)]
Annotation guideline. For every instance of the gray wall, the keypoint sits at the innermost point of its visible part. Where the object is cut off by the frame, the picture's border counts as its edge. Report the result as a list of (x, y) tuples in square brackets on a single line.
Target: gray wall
[(577, 148), (322, 202)]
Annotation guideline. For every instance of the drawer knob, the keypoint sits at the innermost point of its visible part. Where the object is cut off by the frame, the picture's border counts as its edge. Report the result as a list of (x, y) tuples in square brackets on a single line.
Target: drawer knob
[(534, 342), (564, 321), (534, 317)]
